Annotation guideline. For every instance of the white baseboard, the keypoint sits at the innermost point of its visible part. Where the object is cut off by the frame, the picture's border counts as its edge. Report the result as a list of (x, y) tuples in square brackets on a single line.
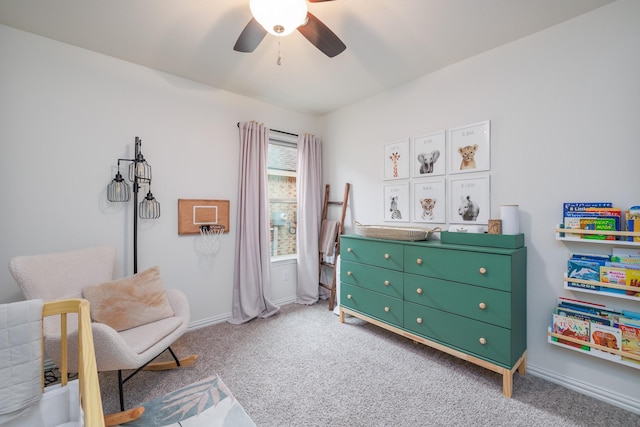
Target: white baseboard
[(609, 396), (226, 316)]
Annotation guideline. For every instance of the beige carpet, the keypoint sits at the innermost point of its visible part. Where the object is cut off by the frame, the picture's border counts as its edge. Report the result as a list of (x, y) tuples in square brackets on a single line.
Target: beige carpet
[(303, 368)]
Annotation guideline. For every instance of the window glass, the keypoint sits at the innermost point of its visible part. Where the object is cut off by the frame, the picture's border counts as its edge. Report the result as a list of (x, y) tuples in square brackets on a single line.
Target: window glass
[(282, 166)]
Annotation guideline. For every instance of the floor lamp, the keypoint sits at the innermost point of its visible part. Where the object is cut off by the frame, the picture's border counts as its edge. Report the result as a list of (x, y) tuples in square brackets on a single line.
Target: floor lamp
[(119, 191)]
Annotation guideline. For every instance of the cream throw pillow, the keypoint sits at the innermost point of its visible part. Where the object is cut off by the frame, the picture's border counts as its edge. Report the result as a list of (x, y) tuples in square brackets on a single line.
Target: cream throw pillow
[(129, 302)]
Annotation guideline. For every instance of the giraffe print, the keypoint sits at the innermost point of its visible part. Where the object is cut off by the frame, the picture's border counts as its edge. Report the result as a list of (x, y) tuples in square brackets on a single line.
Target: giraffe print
[(394, 158)]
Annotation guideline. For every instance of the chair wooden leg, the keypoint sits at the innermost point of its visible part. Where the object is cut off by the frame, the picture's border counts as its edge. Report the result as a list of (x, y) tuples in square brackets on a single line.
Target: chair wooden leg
[(185, 362), (123, 417)]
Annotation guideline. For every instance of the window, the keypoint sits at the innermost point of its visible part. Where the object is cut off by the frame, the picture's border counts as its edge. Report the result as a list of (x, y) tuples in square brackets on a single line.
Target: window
[(283, 207)]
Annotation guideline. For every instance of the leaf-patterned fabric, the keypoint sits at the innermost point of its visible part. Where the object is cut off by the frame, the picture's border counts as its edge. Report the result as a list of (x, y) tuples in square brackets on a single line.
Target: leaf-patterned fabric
[(206, 403)]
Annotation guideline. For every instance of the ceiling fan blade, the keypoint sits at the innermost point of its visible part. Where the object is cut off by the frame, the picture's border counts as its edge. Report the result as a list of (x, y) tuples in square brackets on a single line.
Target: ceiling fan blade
[(321, 36), (250, 37)]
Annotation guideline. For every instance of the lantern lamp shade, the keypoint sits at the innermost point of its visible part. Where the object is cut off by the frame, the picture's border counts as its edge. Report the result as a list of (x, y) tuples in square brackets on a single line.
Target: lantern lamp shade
[(140, 169), (279, 17), (149, 207), (118, 190)]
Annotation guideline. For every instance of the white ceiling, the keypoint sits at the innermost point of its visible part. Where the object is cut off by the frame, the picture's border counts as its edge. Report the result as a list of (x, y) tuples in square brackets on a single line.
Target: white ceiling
[(389, 42)]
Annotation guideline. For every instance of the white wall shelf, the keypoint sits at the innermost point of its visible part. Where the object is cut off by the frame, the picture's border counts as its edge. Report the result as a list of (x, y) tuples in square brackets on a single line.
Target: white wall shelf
[(575, 235), (605, 356), (602, 285)]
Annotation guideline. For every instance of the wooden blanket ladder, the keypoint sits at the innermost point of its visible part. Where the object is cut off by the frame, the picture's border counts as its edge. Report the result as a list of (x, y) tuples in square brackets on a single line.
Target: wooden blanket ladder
[(322, 262)]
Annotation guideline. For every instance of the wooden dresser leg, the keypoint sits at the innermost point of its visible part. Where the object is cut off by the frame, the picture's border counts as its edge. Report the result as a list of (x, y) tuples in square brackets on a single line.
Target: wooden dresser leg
[(341, 315), (522, 369), (507, 383)]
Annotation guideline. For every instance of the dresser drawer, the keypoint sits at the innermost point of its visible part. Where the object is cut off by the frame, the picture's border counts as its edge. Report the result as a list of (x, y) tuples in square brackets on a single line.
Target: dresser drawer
[(374, 304), (385, 281), (487, 341), (379, 253), (487, 305), (477, 268)]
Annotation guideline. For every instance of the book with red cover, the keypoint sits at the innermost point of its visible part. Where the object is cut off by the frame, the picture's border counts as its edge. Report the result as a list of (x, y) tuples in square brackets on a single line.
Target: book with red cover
[(571, 327)]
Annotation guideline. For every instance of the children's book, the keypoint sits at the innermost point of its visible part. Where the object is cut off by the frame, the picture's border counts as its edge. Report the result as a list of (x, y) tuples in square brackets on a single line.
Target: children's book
[(620, 276), (582, 206), (584, 270), (625, 252), (563, 311), (573, 328), (590, 308), (585, 221), (606, 336), (604, 224), (630, 343)]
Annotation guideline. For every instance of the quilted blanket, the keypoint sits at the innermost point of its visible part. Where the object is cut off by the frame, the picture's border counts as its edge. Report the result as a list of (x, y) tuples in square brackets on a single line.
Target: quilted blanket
[(20, 357)]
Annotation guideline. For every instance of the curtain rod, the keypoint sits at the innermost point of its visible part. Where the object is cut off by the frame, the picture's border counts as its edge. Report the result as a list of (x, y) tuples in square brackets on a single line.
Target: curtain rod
[(276, 130)]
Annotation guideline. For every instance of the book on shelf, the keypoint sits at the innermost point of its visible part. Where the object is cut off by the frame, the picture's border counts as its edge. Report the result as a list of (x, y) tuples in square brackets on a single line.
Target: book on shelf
[(632, 220), (600, 310), (630, 341), (606, 336), (585, 267), (583, 206), (599, 223), (625, 255), (620, 276), (570, 327), (592, 220), (631, 315), (589, 317)]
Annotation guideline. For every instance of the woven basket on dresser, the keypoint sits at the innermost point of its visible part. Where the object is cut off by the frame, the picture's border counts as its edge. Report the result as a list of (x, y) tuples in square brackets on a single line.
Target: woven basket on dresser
[(394, 233)]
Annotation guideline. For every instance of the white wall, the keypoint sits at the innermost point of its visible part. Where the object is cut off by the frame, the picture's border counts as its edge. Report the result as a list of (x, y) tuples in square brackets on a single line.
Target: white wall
[(67, 115), (564, 105)]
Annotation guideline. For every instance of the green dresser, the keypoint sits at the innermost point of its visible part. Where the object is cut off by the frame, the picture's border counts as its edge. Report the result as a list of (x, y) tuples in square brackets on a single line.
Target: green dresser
[(466, 300)]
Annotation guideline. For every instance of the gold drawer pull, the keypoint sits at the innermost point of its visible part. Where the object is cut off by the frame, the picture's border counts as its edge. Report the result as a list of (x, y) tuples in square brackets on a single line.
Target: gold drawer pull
[(386, 283), (419, 320), (419, 291), (386, 309), (387, 256), (483, 341), (419, 261), (349, 273), (482, 306), (349, 296), (483, 270), (348, 249)]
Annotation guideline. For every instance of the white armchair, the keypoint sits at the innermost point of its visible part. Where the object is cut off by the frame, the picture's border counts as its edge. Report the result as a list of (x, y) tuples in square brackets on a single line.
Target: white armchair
[(64, 275)]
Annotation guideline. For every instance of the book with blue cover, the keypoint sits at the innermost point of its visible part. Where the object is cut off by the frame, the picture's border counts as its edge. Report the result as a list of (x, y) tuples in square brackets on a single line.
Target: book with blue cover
[(584, 270)]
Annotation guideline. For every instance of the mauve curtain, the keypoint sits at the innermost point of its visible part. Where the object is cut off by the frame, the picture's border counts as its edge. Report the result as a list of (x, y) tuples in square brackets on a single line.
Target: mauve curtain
[(252, 278), (309, 188)]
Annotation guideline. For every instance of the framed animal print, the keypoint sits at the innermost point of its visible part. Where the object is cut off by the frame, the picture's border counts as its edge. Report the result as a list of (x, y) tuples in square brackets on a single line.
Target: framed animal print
[(469, 200), (429, 155), (470, 148), (396, 202), (396, 159), (429, 201)]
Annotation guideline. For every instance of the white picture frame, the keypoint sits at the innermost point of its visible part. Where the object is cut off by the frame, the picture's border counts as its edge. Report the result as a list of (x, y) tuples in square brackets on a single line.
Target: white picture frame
[(396, 159), (396, 202), (429, 155), (469, 200), (470, 148), (429, 200)]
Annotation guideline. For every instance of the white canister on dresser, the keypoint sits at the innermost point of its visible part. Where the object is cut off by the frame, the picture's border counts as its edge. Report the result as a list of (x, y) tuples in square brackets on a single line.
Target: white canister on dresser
[(510, 216)]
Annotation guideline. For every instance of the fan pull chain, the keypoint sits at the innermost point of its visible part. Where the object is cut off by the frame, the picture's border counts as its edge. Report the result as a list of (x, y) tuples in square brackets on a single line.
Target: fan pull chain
[(279, 62)]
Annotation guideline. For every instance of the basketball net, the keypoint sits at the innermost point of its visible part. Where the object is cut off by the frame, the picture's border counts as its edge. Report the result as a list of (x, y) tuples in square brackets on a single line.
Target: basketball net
[(209, 241)]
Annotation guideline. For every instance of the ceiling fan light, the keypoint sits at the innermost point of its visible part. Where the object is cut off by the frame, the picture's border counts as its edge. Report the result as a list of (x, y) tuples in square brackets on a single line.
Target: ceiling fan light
[(279, 17)]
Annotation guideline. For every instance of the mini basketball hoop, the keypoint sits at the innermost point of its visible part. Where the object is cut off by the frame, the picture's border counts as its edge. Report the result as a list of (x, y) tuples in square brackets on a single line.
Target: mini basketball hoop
[(209, 241)]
